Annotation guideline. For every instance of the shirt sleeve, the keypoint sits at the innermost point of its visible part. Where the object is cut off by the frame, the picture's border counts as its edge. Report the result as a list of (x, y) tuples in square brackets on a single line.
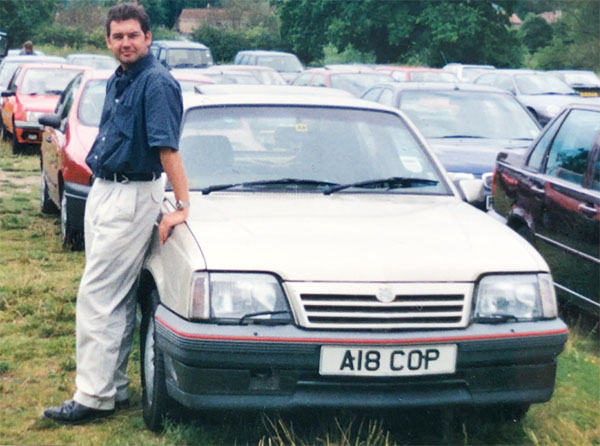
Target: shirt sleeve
[(163, 112)]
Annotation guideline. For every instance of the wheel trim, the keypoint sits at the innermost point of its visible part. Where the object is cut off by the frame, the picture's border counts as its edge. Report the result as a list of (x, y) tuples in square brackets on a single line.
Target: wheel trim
[(149, 362)]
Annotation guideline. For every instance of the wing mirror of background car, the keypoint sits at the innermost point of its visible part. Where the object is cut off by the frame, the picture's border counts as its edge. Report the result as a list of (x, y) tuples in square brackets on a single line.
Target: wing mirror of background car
[(7, 93), (469, 187), (50, 119)]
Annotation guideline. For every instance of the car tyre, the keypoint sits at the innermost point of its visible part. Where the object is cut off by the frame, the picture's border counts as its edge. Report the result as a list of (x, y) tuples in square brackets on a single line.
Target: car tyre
[(47, 206), (3, 132), (155, 400), (17, 147), (69, 235)]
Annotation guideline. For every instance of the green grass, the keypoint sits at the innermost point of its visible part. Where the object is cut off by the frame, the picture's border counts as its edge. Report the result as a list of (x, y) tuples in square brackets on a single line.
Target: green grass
[(38, 287)]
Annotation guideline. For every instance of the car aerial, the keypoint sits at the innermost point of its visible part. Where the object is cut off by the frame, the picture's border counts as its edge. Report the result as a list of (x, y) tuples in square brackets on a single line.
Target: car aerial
[(403, 73), (68, 136), (286, 64), (354, 80), (329, 261), (189, 79), (551, 196), (182, 54), (467, 72), (586, 83), (466, 125), (544, 95), (33, 90), (244, 74), (96, 61)]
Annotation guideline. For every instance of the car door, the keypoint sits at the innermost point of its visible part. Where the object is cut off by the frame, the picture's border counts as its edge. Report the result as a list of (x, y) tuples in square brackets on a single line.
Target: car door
[(9, 103), (54, 140), (567, 225)]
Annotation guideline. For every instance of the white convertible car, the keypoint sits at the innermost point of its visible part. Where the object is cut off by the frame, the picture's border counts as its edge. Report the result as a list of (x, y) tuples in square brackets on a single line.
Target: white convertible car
[(329, 261)]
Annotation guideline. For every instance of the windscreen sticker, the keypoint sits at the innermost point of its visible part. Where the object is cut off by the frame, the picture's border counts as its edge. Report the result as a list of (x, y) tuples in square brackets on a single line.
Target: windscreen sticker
[(411, 163), (301, 128)]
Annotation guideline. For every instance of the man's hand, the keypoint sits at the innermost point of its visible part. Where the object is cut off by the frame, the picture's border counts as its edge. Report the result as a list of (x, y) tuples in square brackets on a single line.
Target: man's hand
[(169, 221)]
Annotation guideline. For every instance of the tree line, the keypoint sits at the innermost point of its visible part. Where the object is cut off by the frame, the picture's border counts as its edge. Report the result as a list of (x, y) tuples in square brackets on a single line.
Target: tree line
[(416, 32)]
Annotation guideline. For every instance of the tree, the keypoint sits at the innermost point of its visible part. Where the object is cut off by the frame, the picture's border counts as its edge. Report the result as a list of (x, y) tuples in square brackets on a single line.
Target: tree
[(535, 32), (395, 31), (21, 18)]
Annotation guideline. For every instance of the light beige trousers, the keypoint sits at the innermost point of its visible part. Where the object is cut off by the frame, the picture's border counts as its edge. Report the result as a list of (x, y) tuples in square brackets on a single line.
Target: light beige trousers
[(119, 220)]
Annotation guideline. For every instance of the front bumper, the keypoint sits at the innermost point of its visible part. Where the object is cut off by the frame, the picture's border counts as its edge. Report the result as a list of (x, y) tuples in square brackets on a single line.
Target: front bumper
[(212, 366), (28, 132)]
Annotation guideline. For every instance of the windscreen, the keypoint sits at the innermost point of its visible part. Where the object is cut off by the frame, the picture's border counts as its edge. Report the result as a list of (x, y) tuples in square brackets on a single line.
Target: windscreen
[(443, 114), (40, 81), (234, 144), (91, 103), (541, 84)]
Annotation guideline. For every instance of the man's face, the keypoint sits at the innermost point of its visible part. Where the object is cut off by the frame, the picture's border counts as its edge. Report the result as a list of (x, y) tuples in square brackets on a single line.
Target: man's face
[(128, 42)]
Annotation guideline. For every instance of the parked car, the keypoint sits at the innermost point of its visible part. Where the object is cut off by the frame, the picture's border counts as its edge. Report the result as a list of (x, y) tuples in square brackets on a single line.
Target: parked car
[(190, 79), (182, 54), (551, 196), (244, 74), (10, 63), (403, 73), (466, 125), (586, 83), (286, 64), (96, 61), (33, 90), (352, 80), (318, 268), (543, 94), (68, 136), (467, 72)]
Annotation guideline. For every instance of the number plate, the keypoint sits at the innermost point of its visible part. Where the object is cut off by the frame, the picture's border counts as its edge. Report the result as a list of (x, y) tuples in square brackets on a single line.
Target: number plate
[(388, 361)]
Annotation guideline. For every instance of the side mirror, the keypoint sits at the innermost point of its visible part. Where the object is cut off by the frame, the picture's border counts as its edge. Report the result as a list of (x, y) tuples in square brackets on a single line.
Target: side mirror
[(50, 119), (7, 93), (471, 188)]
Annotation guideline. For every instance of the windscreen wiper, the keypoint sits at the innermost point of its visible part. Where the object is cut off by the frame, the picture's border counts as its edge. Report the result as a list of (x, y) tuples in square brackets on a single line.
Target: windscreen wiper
[(461, 137), (384, 183), (281, 181), (257, 319)]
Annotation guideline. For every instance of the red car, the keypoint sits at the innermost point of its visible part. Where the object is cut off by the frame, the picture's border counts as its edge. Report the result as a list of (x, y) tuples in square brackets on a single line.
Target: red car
[(353, 79), (68, 136), (33, 90), (417, 74)]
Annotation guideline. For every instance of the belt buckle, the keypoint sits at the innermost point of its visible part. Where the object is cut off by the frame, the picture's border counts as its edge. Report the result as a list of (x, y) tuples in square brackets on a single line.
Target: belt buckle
[(125, 179)]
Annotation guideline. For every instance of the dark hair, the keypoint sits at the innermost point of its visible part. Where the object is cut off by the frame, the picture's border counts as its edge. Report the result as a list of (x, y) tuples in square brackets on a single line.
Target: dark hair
[(127, 11)]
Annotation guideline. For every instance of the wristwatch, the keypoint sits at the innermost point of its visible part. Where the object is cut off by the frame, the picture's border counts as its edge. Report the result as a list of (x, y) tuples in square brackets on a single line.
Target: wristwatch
[(179, 205)]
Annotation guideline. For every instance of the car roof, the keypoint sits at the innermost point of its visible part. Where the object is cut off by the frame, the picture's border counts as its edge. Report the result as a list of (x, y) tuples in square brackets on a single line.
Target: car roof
[(232, 67), (278, 96), (443, 86), (279, 90), (101, 56), (33, 59), (264, 52), (49, 66), (179, 44)]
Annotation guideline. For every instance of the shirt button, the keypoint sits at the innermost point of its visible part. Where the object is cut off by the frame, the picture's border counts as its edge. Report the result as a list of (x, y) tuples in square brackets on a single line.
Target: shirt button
[(117, 101), (103, 138)]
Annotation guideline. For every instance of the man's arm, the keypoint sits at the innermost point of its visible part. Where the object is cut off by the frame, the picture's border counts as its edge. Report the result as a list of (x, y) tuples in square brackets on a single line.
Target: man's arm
[(173, 167)]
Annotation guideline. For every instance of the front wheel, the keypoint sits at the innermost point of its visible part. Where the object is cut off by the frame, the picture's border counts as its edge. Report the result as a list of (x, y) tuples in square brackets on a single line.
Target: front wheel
[(68, 234), (155, 400), (47, 206)]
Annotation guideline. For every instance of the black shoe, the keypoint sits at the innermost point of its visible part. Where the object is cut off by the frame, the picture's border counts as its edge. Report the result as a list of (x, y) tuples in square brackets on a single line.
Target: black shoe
[(72, 412)]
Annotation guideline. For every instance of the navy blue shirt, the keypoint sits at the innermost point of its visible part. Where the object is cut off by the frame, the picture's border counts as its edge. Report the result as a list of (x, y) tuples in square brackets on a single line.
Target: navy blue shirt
[(142, 112)]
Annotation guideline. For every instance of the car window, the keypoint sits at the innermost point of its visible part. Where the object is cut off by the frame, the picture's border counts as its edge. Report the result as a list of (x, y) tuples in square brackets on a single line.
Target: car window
[(541, 84), (12, 84), (387, 97), (239, 144), (506, 83), (356, 83), (318, 81), (38, 81), (154, 50), (596, 173), (188, 58), (536, 158), (398, 75), (372, 94), (91, 103), (568, 156), (66, 101), (486, 79)]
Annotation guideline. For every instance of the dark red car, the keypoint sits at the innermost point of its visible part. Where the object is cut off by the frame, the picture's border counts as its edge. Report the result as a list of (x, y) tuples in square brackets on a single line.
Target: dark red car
[(551, 196), (33, 90), (68, 135)]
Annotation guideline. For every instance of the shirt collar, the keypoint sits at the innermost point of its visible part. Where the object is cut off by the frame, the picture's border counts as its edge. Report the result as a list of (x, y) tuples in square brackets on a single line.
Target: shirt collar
[(140, 65)]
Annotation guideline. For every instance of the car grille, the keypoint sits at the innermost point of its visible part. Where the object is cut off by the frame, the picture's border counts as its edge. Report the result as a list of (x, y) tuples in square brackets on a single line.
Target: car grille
[(390, 307)]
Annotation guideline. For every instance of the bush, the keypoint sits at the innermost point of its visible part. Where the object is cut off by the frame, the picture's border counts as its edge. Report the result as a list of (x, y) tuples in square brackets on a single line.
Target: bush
[(162, 32), (331, 55), (71, 36)]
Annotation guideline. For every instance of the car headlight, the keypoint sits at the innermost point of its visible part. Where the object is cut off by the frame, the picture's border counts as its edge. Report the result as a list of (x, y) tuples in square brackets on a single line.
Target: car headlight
[(552, 110), (523, 297), (33, 116), (238, 297)]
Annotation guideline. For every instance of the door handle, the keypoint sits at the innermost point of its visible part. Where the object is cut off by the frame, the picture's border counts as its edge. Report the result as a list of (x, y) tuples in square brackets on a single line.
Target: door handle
[(48, 139), (588, 210), (538, 190)]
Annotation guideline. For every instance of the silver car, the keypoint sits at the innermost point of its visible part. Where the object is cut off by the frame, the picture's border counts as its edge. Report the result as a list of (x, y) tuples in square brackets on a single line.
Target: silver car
[(329, 261)]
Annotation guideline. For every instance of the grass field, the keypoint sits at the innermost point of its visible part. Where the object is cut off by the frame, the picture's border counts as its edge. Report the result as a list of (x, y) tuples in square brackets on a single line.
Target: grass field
[(38, 285)]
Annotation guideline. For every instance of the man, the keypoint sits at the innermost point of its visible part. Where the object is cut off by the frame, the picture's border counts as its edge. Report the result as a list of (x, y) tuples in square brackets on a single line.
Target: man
[(137, 140), (27, 49)]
